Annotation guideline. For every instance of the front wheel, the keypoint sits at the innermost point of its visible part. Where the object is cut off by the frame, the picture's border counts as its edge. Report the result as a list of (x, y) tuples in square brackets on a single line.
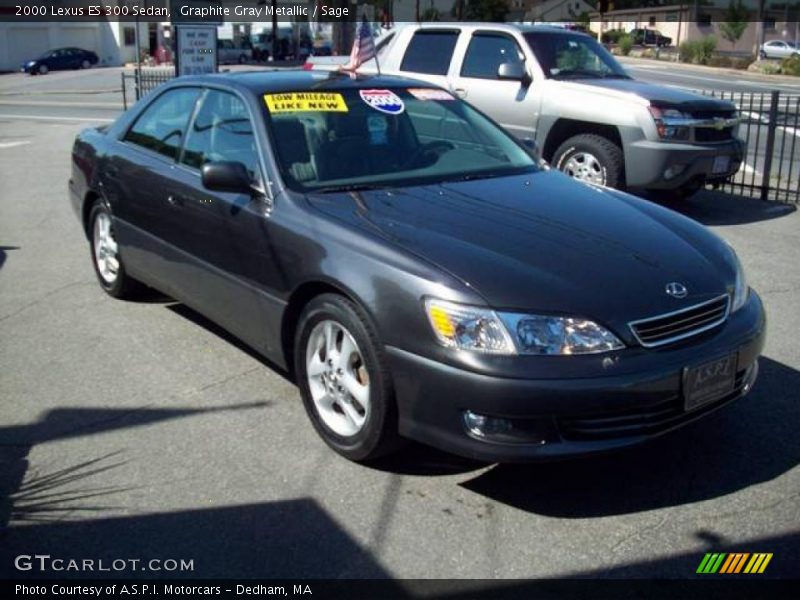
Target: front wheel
[(591, 158), (344, 380), (43, 69)]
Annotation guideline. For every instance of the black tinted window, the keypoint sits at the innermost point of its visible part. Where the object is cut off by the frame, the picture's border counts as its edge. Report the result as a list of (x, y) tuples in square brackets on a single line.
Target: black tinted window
[(430, 52), (486, 53), (162, 125), (221, 131)]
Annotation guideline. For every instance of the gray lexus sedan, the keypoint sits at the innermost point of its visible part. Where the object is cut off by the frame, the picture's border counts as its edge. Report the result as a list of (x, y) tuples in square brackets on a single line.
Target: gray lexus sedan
[(418, 271)]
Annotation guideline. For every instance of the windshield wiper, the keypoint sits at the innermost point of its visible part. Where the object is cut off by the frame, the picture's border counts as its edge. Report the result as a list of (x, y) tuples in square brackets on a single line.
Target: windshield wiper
[(474, 176), (616, 76), (577, 73), (353, 187)]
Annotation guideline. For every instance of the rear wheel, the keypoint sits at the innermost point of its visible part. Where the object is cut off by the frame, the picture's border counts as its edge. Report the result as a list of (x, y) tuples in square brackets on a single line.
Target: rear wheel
[(591, 158), (108, 265), (344, 380), (85, 64)]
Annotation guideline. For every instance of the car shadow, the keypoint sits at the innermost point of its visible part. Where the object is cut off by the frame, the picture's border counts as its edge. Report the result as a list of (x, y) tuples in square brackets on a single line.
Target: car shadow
[(4, 253), (749, 442), (719, 208)]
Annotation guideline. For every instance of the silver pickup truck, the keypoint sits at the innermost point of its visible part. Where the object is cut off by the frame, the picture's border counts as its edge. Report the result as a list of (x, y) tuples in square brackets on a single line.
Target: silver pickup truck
[(563, 90)]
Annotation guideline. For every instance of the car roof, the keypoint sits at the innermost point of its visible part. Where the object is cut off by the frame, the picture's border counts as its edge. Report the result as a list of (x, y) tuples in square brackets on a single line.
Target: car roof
[(299, 80)]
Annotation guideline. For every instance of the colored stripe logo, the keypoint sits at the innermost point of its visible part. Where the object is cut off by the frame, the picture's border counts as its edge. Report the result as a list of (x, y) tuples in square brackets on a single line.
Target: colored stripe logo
[(734, 562)]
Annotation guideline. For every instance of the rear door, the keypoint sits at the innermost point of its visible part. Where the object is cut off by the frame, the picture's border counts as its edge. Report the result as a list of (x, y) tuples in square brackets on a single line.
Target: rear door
[(137, 178), (474, 78), (428, 55)]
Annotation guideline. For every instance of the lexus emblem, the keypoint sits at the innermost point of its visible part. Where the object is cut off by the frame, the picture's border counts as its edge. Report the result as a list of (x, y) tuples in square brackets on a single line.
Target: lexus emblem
[(676, 290)]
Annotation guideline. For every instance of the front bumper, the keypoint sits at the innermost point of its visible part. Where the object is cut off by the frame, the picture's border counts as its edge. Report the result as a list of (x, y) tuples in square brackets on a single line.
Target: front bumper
[(575, 416), (647, 162)]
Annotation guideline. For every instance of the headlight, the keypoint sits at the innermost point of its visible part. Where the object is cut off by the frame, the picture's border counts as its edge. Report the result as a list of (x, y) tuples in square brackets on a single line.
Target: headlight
[(543, 334), (484, 330), (741, 290), (468, 327), (671, 124)]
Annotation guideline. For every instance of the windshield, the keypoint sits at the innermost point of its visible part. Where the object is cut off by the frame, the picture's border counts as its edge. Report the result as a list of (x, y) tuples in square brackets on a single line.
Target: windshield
[(564, 56), (350, 139)]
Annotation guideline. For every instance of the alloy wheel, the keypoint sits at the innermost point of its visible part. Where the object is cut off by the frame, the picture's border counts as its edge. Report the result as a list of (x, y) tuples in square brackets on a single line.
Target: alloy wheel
[(105, 249), (586, 167), (337, 378)]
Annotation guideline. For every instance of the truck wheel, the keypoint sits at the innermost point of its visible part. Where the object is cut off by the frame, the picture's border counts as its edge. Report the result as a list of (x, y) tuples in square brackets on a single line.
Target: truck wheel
[(591, 158)]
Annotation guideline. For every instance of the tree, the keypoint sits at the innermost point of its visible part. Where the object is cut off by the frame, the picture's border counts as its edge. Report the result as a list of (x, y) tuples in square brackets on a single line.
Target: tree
[(485, 10), (736, 18)]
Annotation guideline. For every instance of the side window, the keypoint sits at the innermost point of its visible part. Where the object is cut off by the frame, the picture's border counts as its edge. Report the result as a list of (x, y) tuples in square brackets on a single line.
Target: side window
[(162, 125), (486, 53), (430, 52), (221, 131)]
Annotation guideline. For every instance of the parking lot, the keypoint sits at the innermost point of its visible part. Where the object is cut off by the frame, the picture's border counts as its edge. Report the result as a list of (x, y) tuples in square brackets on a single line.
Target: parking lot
[(139, 430)]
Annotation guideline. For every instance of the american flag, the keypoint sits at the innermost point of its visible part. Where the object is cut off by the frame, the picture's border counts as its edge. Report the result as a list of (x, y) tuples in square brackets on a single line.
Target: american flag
[(363, 47)]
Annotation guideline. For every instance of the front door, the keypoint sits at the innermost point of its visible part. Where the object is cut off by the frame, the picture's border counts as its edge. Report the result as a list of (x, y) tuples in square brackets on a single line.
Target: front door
[(511, 103)]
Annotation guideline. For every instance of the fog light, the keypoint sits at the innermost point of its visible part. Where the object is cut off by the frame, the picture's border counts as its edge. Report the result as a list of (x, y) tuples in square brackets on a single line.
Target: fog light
[(674, 171), (516, 431), (483, 426)]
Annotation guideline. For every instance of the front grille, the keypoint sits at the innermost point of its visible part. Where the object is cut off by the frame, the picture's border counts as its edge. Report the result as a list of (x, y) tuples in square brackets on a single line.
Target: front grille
[(643, 420), (678, 325), (709, 134)]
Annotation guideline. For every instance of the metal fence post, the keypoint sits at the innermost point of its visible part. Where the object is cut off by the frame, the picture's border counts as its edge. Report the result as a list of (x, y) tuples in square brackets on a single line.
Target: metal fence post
[(124, 92), (772, 126)]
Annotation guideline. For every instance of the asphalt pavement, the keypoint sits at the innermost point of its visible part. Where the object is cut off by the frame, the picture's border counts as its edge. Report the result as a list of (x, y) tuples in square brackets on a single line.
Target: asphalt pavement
[(141, 430)]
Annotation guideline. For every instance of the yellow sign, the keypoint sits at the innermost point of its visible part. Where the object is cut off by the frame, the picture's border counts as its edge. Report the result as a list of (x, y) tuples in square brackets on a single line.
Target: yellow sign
[(305, 102)]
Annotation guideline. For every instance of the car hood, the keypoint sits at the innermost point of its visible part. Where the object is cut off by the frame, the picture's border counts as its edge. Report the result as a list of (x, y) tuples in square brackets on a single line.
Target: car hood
[(655, 94), (544, 242)]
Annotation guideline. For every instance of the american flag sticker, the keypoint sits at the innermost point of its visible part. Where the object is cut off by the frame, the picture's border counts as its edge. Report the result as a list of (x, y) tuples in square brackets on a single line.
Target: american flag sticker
[(384, 101)]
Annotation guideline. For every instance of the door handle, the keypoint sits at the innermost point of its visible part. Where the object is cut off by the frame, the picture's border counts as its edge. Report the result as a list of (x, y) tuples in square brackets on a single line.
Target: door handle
[(176, 201), (460, 92)]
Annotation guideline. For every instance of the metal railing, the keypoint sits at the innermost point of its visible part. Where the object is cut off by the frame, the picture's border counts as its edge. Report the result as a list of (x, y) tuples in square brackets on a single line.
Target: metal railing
[(771, 128), (141, 81)]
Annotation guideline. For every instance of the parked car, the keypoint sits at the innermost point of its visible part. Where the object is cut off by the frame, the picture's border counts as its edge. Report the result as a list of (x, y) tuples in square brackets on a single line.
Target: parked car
[(650, 37), (60, 59), (568, 93), (779, 49), (229, 52), (414, 267)]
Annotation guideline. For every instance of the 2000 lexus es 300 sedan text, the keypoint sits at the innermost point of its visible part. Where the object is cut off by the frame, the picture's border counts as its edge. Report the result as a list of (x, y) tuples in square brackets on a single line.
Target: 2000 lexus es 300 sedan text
[(418, 270)]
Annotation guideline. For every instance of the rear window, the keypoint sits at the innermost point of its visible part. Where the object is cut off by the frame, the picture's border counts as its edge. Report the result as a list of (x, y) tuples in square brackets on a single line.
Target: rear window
[(430, 52)]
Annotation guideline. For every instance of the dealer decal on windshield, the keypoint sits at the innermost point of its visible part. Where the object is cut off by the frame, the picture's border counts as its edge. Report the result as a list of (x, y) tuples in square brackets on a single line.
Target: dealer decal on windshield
[(430, 94), (305, 102), (383, 100)]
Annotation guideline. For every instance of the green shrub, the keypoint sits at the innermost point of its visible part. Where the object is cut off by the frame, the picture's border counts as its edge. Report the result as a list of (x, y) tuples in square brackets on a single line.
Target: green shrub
[(742, 63), (611, 37), (706, 48), (648, 53), (791, 66), (687, 51), (625, 44), (699, 51)]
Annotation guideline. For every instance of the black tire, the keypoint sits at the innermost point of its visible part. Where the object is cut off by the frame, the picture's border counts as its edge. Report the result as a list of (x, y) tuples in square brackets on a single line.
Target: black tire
[(242, 59), (123, 286), (608, 155), (378, 435), (85, 64), (42, 69)]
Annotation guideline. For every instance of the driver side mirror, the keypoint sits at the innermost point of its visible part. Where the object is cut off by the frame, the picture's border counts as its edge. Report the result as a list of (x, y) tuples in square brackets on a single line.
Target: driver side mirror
[(227, 176), (514, 71)]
